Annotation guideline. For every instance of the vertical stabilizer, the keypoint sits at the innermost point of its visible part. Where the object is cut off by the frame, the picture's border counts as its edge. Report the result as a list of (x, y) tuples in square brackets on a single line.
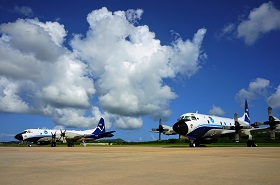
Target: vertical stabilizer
[(100, 127), (246, 115)]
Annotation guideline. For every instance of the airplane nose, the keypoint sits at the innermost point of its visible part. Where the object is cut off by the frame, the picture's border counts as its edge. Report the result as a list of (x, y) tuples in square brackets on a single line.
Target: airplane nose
[(181, 127), (19, 137)]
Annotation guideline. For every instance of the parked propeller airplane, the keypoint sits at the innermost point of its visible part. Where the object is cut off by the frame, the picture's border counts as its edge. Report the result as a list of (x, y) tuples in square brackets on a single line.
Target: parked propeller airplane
[(46, 136), (205, 129), (165, 129)]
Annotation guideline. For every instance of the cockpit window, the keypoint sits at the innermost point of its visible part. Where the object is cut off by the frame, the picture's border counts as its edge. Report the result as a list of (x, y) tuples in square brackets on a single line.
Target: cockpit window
[(193, 118), (24, 132), (187, 118)]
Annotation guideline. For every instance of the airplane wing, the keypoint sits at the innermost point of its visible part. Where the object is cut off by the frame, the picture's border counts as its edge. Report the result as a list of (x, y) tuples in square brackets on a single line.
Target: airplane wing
[(227, 132), (231, 131), (260, 128), (73, 137), (104, 134)]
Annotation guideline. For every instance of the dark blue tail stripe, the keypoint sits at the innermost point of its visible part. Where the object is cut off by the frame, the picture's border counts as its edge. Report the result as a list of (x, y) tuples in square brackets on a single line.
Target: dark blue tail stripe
[(100, 127)]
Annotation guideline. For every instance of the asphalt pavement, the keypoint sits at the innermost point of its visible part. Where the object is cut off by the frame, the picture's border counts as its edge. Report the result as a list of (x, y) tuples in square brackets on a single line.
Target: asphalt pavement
[(139, 165)]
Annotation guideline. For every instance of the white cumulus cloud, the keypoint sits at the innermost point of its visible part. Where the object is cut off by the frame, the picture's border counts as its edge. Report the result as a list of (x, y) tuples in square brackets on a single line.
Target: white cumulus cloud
[(257, 87), (260, 88), (24, 10), (261, 20), (116, 70), (274, 99), (217, 111), (130, 64)]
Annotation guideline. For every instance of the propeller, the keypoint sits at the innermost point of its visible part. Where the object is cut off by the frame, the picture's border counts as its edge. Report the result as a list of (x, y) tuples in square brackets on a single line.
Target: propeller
[(272, 126), (272, 122), (237, 128), (160, 129), (53, 136), (53, 141), (62, 136)]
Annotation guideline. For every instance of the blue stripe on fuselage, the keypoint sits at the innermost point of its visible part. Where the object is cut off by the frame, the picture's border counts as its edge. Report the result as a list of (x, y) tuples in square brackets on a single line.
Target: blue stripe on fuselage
[(201, 130), (36, 138)]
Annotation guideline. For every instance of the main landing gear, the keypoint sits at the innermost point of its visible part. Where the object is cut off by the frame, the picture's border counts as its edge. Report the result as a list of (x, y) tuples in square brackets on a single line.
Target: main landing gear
[(194, 144), (71, 144), (53, 144), (251, 143)]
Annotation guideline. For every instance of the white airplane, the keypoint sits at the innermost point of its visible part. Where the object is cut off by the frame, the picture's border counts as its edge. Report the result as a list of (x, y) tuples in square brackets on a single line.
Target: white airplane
[(205, 129), (165, 129), (47, 136)]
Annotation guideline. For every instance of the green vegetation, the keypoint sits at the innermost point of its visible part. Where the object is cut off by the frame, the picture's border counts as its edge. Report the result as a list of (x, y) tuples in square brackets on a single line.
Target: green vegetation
[(262, 140)]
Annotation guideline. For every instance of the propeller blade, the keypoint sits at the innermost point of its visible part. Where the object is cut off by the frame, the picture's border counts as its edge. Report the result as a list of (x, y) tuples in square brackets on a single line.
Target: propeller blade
[(235, 117), (272, 134), (236, 123), (53, 135), (62, 136), (269, 112), (237, 128), (237, 138), (160, 129)]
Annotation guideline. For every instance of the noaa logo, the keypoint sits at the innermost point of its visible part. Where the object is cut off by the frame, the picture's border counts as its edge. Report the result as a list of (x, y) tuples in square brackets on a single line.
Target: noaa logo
[(211, 119), (46, 132)]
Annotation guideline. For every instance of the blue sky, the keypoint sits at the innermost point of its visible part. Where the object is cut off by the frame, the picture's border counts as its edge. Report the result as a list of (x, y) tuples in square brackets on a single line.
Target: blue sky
[(132, 62)]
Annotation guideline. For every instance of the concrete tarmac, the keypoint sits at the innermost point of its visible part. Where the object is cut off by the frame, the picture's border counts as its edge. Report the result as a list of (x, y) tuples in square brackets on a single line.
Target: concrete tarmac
[(139, 165)]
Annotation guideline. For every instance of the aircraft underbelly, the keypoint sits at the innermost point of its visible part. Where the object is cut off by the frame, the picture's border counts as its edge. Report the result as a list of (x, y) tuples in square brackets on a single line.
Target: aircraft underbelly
[(213, 132), (210, 133), (206, 131), (45, 139)]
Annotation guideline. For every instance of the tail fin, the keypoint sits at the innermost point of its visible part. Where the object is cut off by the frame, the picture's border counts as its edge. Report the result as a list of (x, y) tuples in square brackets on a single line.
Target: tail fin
[(246, 114), (100, 127)]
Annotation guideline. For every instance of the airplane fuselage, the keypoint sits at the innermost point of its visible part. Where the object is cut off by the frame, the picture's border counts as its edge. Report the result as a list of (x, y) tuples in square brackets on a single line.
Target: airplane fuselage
[(204, 128), (47, 136), (44, 136)]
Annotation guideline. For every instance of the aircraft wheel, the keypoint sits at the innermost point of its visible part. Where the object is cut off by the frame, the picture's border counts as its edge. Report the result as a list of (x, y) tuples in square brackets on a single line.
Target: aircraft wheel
[(53, 144), (70, 144), (251, 143), (192, 145)]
